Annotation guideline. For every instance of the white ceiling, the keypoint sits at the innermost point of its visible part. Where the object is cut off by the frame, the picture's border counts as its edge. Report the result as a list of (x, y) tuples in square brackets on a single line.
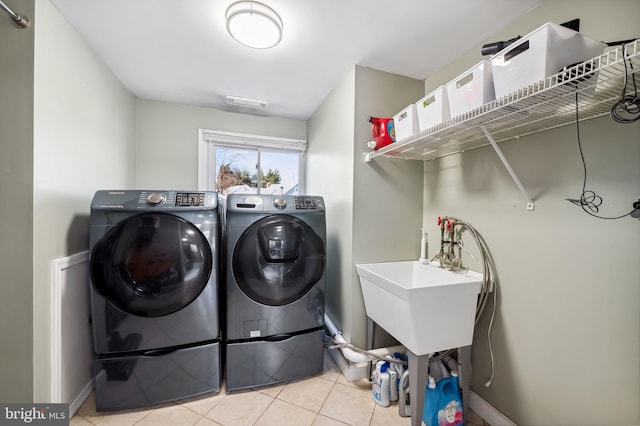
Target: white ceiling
[(179, 51)]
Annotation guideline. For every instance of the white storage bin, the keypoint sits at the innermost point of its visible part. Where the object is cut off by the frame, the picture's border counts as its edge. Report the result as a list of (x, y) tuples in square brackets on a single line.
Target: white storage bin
[(433, 109), (471, 89), (406, 122), (540, 54)]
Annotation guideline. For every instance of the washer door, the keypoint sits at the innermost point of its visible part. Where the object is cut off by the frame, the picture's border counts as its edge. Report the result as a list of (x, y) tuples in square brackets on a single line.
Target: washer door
[(278, 259), (151, 264)]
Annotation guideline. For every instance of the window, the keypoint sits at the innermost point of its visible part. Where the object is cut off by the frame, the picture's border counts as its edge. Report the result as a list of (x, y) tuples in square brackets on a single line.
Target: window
[(250, 164)]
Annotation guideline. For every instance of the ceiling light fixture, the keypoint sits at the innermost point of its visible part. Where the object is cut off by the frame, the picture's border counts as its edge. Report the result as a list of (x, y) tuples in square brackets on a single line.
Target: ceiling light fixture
[(254, 24)]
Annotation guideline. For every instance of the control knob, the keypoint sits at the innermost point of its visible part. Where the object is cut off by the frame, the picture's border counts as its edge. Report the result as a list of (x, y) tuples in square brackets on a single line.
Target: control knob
[(155, 198), (279, 202)]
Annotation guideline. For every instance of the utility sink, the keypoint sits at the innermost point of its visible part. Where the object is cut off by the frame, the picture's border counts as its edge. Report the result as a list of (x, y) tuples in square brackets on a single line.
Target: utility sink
[(426, 308)]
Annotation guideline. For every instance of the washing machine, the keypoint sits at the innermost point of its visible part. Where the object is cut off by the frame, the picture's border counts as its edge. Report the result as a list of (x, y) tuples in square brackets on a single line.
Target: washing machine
[(275, 287), (154, 271)]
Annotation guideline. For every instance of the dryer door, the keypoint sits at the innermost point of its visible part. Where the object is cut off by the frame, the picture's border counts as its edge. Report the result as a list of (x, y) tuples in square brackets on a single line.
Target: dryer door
[(278, 259), (151, 265)]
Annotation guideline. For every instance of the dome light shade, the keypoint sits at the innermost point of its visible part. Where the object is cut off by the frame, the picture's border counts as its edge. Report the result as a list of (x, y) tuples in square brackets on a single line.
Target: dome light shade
[(254, 24)]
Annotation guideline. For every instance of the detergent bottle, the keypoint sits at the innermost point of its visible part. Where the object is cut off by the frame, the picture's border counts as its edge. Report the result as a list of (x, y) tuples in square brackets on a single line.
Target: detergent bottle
[(404, 397), (382, 131), (443, 402), (393, 383), (380, 384), (399, 367), (437, 370), (431, 403), (450, 412)]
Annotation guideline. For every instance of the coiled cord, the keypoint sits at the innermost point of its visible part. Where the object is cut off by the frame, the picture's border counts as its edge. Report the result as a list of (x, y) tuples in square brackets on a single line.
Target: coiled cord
[(627, 109), (589, 201)]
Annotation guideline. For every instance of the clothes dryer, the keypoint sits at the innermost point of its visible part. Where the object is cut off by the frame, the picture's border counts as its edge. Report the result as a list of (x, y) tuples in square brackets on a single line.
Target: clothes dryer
[(154, 272), (275, 287)]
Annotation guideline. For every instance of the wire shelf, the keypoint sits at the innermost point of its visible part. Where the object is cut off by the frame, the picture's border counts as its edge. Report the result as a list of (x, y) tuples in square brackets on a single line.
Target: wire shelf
[(545, 105)]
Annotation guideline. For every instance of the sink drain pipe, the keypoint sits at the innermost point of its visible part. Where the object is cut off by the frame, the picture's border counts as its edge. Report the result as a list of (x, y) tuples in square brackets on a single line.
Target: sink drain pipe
[(354, 354)]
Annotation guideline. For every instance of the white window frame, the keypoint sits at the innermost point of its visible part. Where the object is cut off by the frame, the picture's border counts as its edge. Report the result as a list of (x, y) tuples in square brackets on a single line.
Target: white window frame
[(208, 140)]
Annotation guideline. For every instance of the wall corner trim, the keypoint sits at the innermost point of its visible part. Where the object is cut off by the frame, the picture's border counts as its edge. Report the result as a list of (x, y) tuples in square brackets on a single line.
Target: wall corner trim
[(58, 266)]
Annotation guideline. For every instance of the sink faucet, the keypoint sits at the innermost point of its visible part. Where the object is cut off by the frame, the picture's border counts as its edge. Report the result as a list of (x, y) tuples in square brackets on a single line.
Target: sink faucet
[(447, 255)]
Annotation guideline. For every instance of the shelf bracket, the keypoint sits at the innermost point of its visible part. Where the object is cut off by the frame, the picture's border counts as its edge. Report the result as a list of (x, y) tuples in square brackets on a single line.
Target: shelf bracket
[(525, 194)]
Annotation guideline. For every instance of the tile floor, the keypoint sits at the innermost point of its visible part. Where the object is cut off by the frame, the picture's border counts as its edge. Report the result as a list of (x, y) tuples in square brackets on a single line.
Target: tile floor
[(323, 400)]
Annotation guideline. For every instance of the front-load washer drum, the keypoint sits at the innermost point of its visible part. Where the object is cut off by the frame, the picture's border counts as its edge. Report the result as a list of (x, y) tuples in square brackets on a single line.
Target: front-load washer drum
[(278, 259), (151, 265)]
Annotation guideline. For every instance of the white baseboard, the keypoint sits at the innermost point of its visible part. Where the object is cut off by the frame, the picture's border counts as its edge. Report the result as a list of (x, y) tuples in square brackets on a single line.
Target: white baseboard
[(351, 372), (81, 398), (488, 412)]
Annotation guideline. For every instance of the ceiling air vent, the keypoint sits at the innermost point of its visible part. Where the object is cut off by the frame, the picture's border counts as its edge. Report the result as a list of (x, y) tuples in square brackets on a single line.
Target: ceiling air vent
[(247, 102)]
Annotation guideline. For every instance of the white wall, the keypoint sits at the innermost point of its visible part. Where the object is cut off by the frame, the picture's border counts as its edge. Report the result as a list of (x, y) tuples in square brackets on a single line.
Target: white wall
[(84, 140), (567, 331), (167, 139), (16, 208), (373, 210)]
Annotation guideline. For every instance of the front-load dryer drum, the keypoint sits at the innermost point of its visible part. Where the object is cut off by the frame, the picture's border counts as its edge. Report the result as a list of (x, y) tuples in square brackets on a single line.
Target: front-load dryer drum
[(151, 265), (278, 260)]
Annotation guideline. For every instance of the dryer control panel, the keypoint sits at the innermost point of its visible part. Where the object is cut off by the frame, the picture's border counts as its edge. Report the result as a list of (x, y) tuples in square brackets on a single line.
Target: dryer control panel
[(182, 199), (140, 200), (169, 199), (191, 199)]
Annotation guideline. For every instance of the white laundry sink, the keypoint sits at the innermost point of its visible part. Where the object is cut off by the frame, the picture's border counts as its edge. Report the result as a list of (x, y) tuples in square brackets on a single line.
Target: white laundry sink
[(426, 308)]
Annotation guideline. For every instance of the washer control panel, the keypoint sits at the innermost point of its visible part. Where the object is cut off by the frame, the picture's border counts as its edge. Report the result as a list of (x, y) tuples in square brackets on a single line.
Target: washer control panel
[(305, 203), (279, 202), (275, 203)]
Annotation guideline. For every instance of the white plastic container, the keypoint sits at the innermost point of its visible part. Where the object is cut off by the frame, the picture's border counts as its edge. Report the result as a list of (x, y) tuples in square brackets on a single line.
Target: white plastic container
[(399, 367), (406, 122), (540, 54), (393, 384), (437, 370), (433, 109), (471, 89), (380, 384)]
